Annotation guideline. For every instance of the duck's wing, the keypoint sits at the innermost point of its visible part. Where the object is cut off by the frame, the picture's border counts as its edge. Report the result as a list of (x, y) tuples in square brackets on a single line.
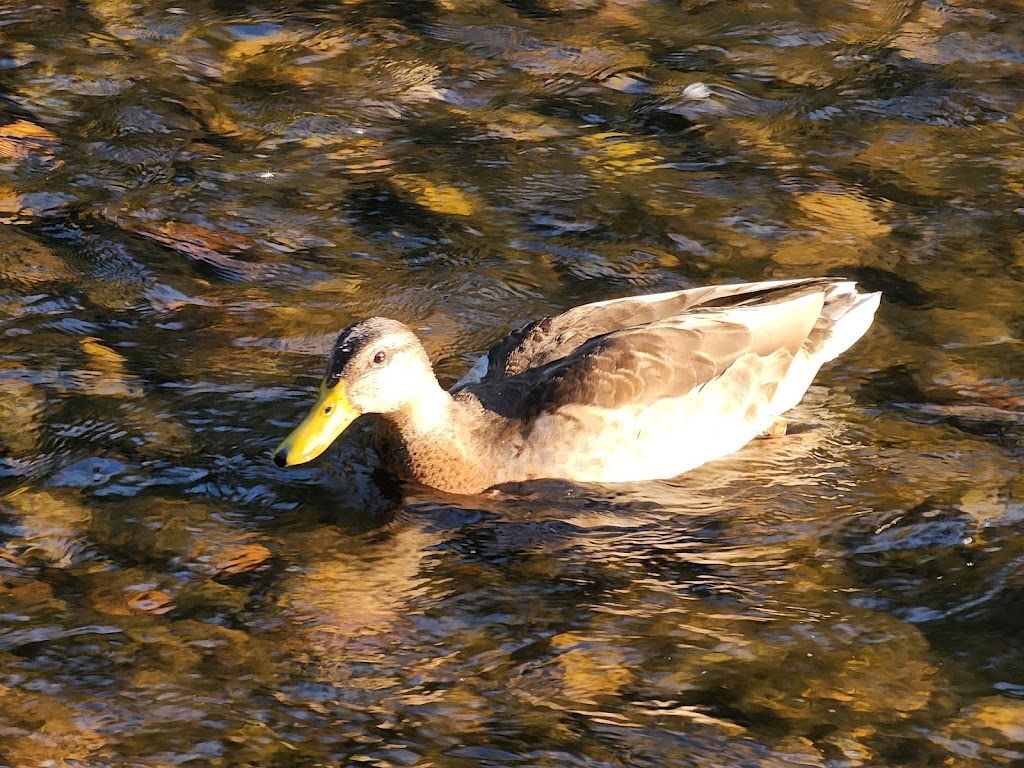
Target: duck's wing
[(554, 338), (660, 360)]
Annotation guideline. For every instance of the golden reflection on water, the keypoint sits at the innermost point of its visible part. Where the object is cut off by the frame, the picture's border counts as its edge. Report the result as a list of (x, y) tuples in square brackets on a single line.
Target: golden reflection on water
[(194, 201)]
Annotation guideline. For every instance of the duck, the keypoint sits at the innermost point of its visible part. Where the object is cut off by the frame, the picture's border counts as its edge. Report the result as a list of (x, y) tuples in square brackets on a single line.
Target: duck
[(631, 389)]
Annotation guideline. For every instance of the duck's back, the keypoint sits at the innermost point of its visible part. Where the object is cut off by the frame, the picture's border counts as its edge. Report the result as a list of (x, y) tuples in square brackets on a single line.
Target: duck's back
[(652, 386), (553, 338)]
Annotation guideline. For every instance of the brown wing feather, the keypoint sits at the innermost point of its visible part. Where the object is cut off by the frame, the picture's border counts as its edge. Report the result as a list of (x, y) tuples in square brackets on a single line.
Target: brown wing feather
[(553, 338), (631, 367), (636, 367), (639, 366)]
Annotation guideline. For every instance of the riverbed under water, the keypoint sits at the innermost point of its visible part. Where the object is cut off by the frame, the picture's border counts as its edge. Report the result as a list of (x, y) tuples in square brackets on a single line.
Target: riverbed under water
[(197, 196)]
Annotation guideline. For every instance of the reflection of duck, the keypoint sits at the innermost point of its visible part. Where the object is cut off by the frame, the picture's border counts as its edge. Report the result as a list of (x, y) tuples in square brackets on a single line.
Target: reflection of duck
[(630, 389)]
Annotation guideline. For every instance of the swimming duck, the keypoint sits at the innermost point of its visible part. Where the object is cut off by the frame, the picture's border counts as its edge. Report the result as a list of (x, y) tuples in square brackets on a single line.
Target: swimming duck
[(636, 388)]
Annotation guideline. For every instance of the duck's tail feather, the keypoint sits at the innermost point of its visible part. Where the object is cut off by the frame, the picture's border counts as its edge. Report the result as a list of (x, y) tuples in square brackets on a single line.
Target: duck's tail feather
[(846, 317)]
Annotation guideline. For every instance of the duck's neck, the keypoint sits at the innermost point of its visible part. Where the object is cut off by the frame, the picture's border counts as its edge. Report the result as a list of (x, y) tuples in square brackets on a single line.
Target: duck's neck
[(427, 414), (428, 442)]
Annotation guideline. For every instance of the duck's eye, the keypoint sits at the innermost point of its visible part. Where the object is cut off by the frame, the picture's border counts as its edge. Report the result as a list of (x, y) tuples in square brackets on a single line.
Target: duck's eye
[(380, 357), (328, 409)]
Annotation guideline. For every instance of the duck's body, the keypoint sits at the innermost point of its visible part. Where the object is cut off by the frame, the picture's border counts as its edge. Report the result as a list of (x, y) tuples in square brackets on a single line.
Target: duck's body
[(630, 389)]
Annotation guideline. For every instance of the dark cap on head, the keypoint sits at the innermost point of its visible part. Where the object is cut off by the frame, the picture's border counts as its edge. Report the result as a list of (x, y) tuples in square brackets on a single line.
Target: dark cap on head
[(356, 338)]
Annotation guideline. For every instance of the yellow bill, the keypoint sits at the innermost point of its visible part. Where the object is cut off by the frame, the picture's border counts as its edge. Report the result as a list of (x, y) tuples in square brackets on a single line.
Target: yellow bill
[(328, 418)]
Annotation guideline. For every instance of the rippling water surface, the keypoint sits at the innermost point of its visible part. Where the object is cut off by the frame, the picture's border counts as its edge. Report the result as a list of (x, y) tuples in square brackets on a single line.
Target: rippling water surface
[(196, 196)]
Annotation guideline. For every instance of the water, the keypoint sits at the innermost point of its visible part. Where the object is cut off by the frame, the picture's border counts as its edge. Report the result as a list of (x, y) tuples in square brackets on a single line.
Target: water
[(196, 197)]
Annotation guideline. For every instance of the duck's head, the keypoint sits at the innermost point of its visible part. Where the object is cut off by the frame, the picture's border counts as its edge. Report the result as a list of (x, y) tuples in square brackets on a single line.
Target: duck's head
[(376, 366)]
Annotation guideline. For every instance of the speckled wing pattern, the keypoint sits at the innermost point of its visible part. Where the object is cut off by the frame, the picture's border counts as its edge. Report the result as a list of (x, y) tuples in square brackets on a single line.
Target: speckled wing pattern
[(671, 358), (553, 338), (637, 366), (642, 364)]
